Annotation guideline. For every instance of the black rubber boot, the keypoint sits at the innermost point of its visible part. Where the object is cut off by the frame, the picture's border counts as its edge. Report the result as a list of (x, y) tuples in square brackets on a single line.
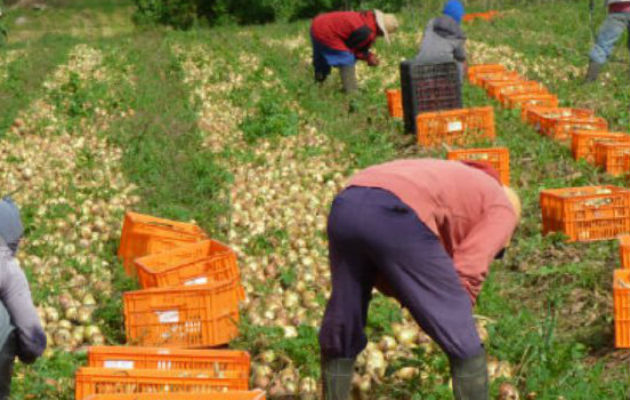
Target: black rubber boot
[(7, 358), (320, 77), (593, 71), (348, 78), (337, 378), (470, 378)]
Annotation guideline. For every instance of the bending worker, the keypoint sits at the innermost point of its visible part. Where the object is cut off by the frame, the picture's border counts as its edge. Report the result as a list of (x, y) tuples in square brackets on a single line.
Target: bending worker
[(614, 25), (340, 38), (425, 232), (21, 332), (443, 40)]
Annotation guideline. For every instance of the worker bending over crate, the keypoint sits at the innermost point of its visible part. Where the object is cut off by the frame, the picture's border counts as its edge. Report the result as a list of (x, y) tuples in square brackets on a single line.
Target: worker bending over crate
[(423, 231), (443, 40)]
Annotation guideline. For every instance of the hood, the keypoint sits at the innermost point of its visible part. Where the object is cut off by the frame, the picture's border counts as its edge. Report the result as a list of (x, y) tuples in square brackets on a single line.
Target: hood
[(447, 28)]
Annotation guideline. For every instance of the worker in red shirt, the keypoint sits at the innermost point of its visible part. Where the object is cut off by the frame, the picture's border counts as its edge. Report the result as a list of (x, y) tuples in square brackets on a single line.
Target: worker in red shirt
[(340, 38), (423, 231)]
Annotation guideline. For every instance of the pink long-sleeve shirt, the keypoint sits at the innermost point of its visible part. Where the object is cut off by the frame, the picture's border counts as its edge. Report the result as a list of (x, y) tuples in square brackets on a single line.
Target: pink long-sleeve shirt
[(466, 208)]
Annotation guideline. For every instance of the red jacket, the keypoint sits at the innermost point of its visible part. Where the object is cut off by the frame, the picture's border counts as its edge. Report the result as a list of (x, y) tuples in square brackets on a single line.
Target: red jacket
[(347, 31)]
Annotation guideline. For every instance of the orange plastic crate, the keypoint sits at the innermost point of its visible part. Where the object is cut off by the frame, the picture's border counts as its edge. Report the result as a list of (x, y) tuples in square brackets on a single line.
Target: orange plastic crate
[(394, 103), (583, 142), (191, 264), (475, 70), (499, 90), (90, 381), (535, 115), (624, 250), (610, 156), (621, 297), (127, 357), (532, 99), (586, 213), (256, 394), (485, 80), (497, 157), (561, 128), (460, 126), (184, 317), (485, 16), (145, 234)]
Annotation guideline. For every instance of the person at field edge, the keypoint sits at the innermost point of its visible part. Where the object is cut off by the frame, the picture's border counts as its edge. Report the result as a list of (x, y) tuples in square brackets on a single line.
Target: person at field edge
[(21, 332), (423, 231), (443, 40), (617, 21), (340, 38)]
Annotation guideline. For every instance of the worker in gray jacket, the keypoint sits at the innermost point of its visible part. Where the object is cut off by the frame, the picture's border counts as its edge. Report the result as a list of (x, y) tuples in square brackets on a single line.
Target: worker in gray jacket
[(21, 332), (443, 40), (616, 23)]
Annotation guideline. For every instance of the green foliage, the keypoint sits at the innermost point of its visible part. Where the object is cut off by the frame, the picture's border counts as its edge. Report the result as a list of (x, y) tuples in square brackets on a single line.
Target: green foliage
[(272, 118), (183, 14)]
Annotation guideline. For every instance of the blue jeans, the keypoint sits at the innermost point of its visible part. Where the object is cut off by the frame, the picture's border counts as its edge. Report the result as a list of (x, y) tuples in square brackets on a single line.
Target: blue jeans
[(609, 33), (324, 58), (373, 235)]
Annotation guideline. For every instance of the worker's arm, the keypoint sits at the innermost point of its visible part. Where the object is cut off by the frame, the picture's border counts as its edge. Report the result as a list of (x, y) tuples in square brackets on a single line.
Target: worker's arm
[(360, 41), (474, 254), (16, 297)]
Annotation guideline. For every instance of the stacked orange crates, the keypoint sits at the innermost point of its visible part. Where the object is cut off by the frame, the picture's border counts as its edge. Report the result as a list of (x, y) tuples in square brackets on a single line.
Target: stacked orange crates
[(496, 157), (455, 126), (191, 294)]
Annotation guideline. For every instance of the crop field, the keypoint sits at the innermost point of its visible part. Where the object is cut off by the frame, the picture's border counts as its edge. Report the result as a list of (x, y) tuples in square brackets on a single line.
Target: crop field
[(224, 126)]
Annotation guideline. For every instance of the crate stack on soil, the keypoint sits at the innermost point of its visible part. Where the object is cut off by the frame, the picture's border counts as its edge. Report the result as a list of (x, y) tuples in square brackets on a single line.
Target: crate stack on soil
[(191, 289)]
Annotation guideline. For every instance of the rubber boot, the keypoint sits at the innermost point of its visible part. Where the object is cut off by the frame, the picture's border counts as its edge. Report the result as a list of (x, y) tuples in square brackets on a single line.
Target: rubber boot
[(348, 78), (470, 378), (337, 378), (593, 71), (7, 358)]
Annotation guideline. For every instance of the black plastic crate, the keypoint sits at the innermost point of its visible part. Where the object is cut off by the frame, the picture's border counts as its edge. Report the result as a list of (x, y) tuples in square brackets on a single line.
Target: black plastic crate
[(428, 88)]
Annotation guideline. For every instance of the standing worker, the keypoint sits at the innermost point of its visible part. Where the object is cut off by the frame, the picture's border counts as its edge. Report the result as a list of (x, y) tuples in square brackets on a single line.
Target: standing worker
[(425, 232), (340, 38), (617, 21), (21, 332), (443, 40)]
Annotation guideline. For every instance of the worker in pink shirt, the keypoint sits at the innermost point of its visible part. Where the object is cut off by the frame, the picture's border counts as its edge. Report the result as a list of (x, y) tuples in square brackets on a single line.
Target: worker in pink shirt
[(425, 232)]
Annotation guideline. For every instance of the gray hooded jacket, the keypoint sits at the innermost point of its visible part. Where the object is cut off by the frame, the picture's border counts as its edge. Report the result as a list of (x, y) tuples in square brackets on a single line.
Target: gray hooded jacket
[(15, 297), (443, 41)]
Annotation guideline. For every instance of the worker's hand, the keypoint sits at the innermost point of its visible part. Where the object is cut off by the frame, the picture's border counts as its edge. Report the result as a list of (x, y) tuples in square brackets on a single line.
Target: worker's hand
[(372, 60)]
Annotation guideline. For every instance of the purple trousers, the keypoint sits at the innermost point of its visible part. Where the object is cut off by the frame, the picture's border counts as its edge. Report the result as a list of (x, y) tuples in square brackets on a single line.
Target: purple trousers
[(372, 233)]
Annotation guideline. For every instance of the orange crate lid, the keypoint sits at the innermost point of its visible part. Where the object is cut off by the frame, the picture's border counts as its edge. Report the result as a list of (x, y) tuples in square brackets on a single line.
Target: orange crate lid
[(190, 264), (497, 157), (184, 317), (255, 394), (621, 296), (455, 126), (145, 234), (90, 381), (129, 357)]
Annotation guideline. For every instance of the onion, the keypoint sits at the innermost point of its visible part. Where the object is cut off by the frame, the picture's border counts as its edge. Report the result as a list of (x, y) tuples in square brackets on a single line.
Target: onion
[(507, 392)]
